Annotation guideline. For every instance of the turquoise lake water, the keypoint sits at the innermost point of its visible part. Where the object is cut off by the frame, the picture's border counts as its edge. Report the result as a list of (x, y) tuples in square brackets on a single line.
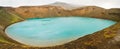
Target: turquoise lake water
[(47, 32)]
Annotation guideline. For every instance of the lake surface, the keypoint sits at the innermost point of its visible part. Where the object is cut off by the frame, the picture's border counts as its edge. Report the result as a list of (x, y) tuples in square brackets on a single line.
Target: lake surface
[(47, 32)]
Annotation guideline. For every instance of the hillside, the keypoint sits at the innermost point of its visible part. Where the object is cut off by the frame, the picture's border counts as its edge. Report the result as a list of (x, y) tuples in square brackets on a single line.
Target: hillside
[(50, 11), (7, 18)]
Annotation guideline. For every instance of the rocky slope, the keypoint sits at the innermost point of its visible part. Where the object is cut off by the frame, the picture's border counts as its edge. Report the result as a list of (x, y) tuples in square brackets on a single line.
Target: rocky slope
[(105, 39), (6, 17), (50, 11)]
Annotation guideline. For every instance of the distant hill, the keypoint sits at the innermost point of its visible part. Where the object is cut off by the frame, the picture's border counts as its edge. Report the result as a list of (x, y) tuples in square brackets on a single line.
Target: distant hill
[(66, 6)]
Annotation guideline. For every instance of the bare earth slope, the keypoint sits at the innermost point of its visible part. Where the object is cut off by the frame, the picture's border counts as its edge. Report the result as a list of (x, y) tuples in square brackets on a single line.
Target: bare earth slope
[(50, 11)]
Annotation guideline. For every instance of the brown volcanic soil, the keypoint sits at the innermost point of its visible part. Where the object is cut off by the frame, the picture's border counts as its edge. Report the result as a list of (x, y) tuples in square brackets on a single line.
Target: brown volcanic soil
[(51, 11), (108, 38)]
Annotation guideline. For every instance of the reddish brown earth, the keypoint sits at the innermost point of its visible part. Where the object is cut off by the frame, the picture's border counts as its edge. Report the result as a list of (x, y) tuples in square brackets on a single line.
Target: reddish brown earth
[(51, 11)]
